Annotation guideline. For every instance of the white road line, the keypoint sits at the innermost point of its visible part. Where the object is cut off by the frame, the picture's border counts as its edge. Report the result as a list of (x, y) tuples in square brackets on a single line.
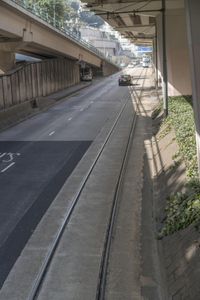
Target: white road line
[(10, 157), (69, 119), (51, 133), (9, 166), (2, 155)]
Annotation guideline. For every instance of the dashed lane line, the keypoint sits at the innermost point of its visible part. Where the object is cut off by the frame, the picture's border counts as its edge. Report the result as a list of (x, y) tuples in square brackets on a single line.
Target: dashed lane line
[(51, 133)]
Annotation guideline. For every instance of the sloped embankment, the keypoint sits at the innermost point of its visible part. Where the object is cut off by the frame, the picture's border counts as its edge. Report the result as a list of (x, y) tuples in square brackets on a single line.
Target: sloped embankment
[(177, 200)]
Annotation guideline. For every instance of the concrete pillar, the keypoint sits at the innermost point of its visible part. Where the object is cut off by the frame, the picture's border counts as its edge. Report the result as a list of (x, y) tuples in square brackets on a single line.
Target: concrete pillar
[(178, 65), (155, 62), (7, 61), (193, 24)]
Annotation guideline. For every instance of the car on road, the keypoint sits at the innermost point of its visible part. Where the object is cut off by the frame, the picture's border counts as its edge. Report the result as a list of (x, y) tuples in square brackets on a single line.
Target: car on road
[(125, 79), (86, 74)]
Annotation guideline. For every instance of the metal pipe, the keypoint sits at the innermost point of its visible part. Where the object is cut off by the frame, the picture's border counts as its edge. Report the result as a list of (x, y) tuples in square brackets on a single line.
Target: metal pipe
[(165, 85)]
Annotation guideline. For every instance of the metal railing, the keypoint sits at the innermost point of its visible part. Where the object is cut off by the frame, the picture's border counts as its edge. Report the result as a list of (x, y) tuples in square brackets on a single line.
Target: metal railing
[(43, 14)]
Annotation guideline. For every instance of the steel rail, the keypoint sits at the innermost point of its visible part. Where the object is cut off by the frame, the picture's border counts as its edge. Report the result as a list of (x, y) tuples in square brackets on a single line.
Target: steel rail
[(33, 295), (101, 288)]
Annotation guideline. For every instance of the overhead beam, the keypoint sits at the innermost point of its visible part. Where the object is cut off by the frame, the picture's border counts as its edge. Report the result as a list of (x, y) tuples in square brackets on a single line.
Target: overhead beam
[(110, 2), (140, 37), (133, 27), (108, 13)]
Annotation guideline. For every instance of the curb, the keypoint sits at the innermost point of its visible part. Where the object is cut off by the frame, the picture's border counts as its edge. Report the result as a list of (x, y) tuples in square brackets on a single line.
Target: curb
[(23, 111)]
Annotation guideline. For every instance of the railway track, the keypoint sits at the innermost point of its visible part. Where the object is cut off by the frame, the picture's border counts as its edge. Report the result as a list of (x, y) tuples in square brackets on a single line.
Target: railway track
[(101, 290), (42, 275), (101, 286)]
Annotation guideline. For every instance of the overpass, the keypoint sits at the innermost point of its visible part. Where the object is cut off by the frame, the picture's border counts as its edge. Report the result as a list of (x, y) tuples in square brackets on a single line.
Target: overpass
[(25, 31), (172, 27)]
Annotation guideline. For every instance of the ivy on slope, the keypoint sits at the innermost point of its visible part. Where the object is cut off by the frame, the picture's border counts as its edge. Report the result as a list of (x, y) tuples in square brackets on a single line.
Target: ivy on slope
[(182, 119), (183, 209)]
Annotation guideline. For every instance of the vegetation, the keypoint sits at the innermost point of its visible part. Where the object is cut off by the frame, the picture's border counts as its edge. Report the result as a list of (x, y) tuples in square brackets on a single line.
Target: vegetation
[(181, 118), (183, 209), (55, 8), (91, 19), (68, 10)]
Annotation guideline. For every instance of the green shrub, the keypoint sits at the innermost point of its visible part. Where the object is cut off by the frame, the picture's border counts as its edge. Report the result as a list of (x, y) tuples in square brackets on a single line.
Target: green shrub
[(183, 209), (181, 117)]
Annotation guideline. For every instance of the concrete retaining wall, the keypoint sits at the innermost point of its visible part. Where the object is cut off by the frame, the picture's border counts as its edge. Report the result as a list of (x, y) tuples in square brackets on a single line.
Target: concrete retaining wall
[(109, 69), (36, 80)]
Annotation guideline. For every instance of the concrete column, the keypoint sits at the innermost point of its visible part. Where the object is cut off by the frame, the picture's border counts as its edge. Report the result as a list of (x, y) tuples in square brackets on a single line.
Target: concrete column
[(155, 62), (178, 65), (193, 24), (7, 61)]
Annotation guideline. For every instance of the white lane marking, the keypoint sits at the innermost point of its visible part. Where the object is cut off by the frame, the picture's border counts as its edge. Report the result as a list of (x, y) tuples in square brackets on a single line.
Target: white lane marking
[(9, 166), (51, 133), (8, 156), (69, 119)]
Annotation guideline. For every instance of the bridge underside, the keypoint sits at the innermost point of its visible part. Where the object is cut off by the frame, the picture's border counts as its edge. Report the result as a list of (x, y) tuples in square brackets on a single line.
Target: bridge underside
[(141, 23), (25, 33)]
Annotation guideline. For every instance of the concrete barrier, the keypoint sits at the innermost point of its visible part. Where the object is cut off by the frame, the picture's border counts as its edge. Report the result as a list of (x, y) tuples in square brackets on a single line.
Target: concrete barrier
[(37, 79)]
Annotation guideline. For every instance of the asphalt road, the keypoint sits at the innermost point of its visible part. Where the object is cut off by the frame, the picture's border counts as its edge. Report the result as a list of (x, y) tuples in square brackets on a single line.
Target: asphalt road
[(38, 155)]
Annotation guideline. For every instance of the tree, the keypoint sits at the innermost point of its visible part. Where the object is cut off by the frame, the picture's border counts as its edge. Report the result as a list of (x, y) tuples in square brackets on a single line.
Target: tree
[(91, 19), (75, 5), (55, 8)]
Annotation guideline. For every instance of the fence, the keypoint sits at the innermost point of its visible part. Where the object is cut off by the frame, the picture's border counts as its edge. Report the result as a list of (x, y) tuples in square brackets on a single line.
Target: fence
[(41, 13), (36, 80)]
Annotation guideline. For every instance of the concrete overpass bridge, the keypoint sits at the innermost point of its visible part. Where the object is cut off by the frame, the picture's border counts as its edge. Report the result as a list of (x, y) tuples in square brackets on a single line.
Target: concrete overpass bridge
[(25, 32)]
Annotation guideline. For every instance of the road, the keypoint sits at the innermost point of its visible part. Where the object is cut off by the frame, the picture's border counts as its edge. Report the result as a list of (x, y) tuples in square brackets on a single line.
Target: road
[(38, 155)]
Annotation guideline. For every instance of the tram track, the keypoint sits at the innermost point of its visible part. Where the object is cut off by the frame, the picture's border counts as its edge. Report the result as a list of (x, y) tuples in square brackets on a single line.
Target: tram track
[(35, 291), (113, 215), (38, 282)]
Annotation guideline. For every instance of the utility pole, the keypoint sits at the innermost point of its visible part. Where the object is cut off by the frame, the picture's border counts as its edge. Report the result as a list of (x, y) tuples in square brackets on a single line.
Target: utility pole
[(165, 83)]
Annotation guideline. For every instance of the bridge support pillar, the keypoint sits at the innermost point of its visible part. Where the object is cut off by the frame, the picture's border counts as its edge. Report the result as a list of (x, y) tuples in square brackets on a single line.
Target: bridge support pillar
[(178, 65), (193, 23), (7, 61)]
